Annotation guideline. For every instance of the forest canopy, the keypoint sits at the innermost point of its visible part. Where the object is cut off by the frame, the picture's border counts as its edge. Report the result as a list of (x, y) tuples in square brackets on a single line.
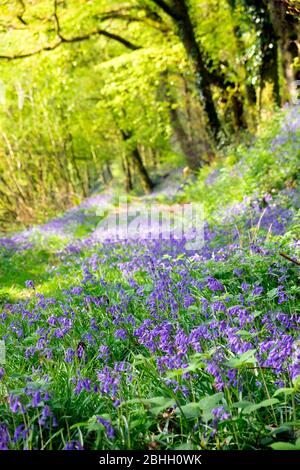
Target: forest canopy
[(94, 90)]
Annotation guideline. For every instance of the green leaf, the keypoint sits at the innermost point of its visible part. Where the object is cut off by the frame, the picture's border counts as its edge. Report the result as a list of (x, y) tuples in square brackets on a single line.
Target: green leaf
[(92, 424), (193, 308), (207, 404), (158, 404), (148, 287), (3, 391), (263, 404), (285, 391), (194, 365), (241, 404), (296, 382), (190, 411), (241, 360), (88, 424), (257, 313), (185, 446), (283, 446), (246, 334), (272, 293), (281, 429)]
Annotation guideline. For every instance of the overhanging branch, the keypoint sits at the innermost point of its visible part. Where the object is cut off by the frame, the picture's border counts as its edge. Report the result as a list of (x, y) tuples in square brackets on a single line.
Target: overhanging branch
[(62, 40), (132, 19), (166, 8), (49, 47), (102, 32), (21, 14), (56, 20)]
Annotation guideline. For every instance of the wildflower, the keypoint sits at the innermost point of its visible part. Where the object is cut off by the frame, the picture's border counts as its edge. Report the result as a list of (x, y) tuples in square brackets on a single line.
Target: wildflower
[(232, 377), (69, 355), (121, 334), (20, 432), (244, 286), (93, 324), (77, 290), (282, 296), (215, 372), (215, 285), (107, 426), (81, 349), (218, 307), (14, 404), (109, 380), (73, 445), (238, 272), (46, 413), (36, 399), (82, 384), (295, 367), (258, 290), (29, 284), (4, 437), (188, 301), (220, 414), (103, 353)]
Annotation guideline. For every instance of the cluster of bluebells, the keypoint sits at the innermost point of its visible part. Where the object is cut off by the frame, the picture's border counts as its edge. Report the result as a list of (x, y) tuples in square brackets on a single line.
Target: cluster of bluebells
[(109, 430), (166, 305), (183, 310)]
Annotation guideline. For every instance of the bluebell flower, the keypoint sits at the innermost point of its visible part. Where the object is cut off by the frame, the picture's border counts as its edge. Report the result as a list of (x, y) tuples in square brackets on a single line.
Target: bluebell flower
[(107, 426), (29, 284)]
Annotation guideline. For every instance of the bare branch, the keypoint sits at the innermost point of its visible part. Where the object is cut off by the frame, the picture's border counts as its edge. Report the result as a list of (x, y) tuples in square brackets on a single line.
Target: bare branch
[(290, 259)]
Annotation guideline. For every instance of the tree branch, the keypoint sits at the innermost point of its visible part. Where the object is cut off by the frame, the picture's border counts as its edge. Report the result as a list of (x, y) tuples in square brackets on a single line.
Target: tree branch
[(20, 16), (63, 40), (49, 47), (102, 32), (115, 15), (56, 21), (166, 8), (290, 259)]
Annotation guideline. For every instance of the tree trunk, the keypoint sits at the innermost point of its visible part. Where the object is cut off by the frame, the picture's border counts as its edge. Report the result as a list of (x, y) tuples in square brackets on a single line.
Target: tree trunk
[(104, 180), (146, 181), (127, 172), (74, 164), (269, 48), (194, 51), (218, 78), (195, 145), (287, 31), (237, 99), (239, 119), (269, 69), (108, 170), (197, 153)]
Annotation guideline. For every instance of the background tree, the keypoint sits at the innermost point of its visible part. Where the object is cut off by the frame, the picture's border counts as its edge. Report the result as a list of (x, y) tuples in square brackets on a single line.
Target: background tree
[(94, 90)]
